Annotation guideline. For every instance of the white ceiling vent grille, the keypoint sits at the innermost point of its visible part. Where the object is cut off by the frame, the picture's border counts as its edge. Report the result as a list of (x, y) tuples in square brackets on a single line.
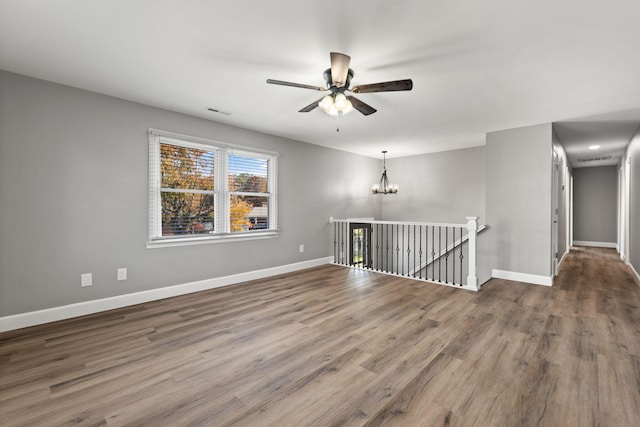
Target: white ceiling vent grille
[(595, 159)]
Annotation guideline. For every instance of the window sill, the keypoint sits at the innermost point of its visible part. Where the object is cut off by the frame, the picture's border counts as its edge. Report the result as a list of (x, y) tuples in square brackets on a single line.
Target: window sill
[(204, 240)]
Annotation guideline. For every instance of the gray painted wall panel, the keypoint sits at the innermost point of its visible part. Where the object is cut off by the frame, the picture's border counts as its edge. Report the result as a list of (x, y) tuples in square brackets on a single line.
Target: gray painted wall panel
[(595, 204), (439, 187), (518, 202), (73, 198)]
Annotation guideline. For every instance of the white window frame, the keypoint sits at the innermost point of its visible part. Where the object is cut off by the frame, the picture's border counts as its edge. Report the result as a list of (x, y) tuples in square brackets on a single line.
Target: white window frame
[(221, 192)]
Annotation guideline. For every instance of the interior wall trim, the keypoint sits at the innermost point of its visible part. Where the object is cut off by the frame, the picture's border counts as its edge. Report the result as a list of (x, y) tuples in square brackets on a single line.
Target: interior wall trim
[(633, 270), (595, 244), (534, 279), (564, 255), (38, 317)]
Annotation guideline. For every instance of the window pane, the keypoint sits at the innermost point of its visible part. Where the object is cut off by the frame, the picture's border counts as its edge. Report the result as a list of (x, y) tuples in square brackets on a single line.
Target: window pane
[(248, 213), (247, 174), (187, 213), (186, 168)]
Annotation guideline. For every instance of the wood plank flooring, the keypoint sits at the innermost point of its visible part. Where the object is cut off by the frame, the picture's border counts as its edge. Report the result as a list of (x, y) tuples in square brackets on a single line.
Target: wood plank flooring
[(332, 346)]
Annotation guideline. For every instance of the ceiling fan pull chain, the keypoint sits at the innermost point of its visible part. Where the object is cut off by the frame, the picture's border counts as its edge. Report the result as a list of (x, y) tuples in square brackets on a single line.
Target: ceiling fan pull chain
[(337, 123)]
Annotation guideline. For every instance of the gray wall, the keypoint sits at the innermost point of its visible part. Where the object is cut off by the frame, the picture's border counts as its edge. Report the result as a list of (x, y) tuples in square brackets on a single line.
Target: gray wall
[(595, 204), (633, 153), (439, 187), (518, 205), (73, 198)]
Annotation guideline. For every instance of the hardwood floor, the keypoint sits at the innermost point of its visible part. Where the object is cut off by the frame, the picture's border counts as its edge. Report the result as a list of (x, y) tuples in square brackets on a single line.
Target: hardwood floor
[(335, 346)]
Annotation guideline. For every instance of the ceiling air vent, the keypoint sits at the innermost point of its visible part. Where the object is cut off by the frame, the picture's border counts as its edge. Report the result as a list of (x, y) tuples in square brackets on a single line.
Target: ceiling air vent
[(595, 159)]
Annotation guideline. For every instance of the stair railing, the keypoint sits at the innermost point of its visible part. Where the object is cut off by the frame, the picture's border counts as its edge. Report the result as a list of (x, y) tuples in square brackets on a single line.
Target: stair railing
[(439, 253)]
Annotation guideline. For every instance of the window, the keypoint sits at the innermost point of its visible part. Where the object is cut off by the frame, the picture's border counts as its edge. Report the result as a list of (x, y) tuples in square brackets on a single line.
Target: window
[(202, 191)]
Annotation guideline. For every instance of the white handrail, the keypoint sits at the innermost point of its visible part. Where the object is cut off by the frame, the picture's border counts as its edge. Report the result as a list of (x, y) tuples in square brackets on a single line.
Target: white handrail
[(435, 224)]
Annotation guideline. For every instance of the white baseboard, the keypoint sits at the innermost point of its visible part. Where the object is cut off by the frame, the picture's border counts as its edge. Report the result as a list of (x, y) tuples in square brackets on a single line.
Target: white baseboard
[(595, 244), (522, 277), (23, 320), (634, 272), (564, 255)]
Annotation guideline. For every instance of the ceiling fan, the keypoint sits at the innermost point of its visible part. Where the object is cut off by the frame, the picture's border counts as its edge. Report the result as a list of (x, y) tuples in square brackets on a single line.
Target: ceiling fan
[(338, 78)]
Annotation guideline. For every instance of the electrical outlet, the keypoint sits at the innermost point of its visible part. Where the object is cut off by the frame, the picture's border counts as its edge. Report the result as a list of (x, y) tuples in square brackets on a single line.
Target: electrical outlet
[(301, 248), (122, 274), (86, 279)]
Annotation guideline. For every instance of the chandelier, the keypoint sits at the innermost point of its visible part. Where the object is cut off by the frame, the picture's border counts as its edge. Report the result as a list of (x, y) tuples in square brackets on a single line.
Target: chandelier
[(383, 187)]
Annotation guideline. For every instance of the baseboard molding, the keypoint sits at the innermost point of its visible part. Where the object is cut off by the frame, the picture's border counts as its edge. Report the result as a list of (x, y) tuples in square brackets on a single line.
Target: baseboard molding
[(23, 320), (634, 272), (595, 244), (522, 277), (562, 259)]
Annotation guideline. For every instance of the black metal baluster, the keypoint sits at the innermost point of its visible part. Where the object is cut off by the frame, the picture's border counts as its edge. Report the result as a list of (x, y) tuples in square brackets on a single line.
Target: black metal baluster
[(401, 269), (397, 250), (414, 251), (439, 253), (335, 242), (453, 253), (453, 257), (338, 246), (461, 258), (378, 247), (408, 250), (386, 265), (340, 242), (420, 254), (338, 260), (343, 253), (446, 255), (433, 253), (376, 262)]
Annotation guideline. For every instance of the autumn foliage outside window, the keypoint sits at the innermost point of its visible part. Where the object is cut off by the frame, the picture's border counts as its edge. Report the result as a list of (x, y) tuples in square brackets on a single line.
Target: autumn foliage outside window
[(188, 190), (210, 190)]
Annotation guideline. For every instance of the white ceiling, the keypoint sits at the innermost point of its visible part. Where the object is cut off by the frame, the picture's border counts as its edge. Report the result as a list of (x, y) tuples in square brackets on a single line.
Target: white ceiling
[(477, 66)]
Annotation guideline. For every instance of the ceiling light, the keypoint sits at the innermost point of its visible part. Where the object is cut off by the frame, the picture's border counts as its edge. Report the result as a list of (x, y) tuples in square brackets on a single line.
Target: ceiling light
[(336, 104), (383, 187), (594, 147)]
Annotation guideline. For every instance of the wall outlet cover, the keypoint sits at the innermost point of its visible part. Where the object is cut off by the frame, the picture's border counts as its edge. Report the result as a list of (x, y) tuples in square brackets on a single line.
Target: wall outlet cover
[(86, 279)]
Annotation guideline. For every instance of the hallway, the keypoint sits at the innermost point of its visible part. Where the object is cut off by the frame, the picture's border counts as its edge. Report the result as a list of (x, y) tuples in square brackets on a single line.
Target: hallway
[(589, 351)]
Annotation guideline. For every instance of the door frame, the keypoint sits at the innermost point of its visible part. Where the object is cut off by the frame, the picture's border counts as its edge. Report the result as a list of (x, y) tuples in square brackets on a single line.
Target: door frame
[(366, 244)]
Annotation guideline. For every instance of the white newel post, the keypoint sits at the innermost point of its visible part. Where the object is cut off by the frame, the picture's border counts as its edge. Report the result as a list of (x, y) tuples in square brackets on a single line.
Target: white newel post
[(472, 228)]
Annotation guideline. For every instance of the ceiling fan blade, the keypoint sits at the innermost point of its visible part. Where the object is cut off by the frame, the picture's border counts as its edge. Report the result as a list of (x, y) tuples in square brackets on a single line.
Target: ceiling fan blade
[(339, 68), (311, 106), (365, 109), (393, 86), (282, 83)]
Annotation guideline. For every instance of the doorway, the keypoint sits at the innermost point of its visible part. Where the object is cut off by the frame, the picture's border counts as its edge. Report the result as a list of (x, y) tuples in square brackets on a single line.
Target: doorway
[(360, 244)]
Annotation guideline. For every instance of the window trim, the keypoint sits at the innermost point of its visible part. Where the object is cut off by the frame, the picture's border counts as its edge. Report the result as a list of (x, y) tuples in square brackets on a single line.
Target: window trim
[(222, 193)]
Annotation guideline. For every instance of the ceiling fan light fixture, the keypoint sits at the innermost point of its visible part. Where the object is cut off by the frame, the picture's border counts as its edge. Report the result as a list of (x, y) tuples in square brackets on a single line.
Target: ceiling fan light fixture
[(336, 104), (340, 101), (338, 83), (326, 103), (348, 107)]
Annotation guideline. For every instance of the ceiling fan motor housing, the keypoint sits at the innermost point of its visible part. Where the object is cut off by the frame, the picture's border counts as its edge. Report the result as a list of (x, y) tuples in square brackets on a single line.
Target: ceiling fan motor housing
[(329, 80)]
